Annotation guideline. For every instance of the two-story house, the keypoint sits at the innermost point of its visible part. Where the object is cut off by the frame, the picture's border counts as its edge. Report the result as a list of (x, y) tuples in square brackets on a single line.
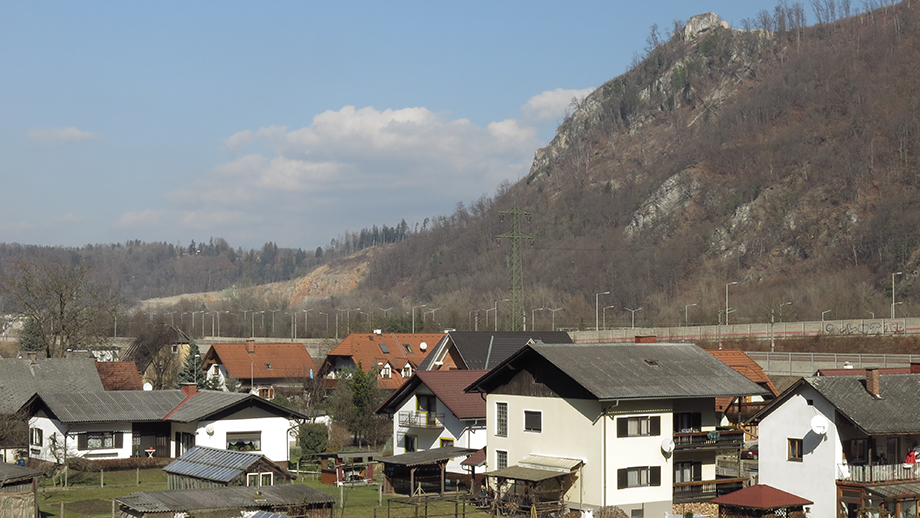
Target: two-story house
[(394, 356), (595, 425), (431, 411), (261, 368), (846, 443)]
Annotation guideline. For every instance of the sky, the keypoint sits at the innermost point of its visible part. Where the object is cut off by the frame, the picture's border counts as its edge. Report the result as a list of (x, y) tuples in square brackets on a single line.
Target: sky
[(290, 122)]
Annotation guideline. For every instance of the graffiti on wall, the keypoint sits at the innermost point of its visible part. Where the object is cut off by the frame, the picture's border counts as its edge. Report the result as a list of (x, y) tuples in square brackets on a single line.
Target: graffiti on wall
[(868, 328)]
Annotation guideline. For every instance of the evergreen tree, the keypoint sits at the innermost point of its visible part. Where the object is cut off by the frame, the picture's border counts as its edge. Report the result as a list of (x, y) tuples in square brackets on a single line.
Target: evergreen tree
[(32, 339), (191, 369)]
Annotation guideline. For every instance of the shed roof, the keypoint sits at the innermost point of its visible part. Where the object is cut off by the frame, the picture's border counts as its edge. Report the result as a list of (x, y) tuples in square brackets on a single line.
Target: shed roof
[(448, 387), (522, 473), (231, 497), (761, 496), (215, 464), (631, 371), (20, 379), (427, 456), (10, 473)]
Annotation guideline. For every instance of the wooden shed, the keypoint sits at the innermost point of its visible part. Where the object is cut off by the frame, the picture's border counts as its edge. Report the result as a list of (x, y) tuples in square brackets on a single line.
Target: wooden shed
[(18, 491), (203, 467)]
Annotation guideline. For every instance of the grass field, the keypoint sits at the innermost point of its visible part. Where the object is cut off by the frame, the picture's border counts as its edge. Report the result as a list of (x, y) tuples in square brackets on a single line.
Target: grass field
[(85, 498)]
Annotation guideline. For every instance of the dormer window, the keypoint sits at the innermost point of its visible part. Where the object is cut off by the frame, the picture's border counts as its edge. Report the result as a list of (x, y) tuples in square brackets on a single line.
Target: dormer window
[(386, 372), (407, 371)]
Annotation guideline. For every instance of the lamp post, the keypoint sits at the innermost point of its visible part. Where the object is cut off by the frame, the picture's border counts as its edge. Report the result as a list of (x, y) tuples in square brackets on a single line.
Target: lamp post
[(686, 313), (413, 314), (197, 363), (252, 322), (474, 323), (554, 315), (604, 312), (487, 315), (781, 310), (327, 321), (634, 311), (273, 320), (244, 319), (826, 311), (533, 318), (305, 328), (385, 311), (495, 308), (726, 300), (892, 291), (871, 313), (597, 305)]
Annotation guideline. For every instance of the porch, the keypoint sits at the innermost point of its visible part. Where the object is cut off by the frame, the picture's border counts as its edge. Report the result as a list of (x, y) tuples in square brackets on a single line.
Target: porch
[(880, 473), (715, 439), (705, 490), (421, 420)]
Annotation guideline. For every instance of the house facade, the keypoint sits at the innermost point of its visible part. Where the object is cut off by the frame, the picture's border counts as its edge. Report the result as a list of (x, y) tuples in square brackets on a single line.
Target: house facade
[(629, 425), (394, 356), (847, 443), (260, 368), (430, 410)]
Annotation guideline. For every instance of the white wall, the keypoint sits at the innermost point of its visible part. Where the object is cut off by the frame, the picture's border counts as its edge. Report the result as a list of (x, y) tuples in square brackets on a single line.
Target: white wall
[(52, 428), (814, 478), (274, 430)]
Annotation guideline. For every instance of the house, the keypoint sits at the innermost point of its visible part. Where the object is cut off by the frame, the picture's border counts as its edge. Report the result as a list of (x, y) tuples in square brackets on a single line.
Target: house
[(159, 423), (736, 411), (294, 500), (394, 356), (261, 368), (157, 351), (845, 442), (119, 375), (475, 350), (19, 491), (761, 501), (596, 425), (203, 467), (431, 410), (20, 379)]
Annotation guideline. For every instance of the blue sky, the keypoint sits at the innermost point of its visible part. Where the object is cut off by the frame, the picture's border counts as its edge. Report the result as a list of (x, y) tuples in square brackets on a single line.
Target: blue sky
[(289, 122)]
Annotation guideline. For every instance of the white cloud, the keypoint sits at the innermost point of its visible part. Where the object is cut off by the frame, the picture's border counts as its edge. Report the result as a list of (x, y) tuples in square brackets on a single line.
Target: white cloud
[(552, 105), (61, 136)]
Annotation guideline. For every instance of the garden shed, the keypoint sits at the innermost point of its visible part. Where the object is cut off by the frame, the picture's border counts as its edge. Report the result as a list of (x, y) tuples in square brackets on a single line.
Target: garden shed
[(203, 467)]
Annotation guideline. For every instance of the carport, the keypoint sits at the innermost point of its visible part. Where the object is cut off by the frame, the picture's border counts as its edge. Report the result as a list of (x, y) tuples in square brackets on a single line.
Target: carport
[(420, 472)]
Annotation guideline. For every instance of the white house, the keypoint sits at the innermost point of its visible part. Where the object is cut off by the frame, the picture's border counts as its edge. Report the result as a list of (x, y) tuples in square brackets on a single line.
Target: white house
[(595, 425), (842, 442), (163, 423), (430, 410)]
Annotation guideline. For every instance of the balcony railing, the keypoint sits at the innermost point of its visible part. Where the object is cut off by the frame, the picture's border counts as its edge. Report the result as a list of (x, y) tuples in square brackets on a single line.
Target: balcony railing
[(717, 439), (705, 489), (421, 420), (879, 473)]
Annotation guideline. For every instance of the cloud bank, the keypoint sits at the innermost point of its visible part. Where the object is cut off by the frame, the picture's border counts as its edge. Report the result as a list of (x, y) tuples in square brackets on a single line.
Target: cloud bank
[(61, 136)]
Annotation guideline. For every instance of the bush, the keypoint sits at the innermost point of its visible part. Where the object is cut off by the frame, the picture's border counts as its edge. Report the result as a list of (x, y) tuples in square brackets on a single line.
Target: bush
[(313, 438)]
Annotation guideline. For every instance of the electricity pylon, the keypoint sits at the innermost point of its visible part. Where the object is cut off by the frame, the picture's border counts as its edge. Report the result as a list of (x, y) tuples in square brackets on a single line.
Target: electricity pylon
[(517, 267)]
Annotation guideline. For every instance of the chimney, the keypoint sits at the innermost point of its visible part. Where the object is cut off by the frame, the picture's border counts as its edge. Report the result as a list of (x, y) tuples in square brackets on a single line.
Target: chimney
[(251, 346), (873, 385), (647, 339), (189, 389), (915, 368)]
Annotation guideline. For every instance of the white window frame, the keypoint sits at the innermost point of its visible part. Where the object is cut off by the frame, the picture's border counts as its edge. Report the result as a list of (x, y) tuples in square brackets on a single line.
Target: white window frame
[(501, 424), (539, 414)]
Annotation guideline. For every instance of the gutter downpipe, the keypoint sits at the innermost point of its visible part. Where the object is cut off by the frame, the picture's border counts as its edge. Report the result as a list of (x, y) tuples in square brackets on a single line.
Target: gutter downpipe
[(489, 354), (604, 452)]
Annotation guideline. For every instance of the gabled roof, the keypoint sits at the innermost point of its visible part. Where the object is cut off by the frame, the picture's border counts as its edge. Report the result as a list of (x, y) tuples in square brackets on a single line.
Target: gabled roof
[(448, 387), (746, 366), (155, 405), (217, 465), (371, 350), (150, 341), (119, 375), (761, 496), (232, 497), (629, 371), (894, 413), (266, 361), (20, 379), (486, 349)]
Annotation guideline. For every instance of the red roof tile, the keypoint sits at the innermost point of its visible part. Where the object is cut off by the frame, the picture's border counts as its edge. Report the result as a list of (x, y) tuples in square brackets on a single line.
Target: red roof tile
[(267, 361), (761, 496), (448, 387), (743, 364), (119, 376), (365, 349)]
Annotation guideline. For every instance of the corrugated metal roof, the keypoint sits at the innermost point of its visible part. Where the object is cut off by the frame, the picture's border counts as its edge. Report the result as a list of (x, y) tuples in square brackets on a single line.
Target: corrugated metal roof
[(561, 464), (212, 464), (112, 406), (427, 456), (522, 473), (232, 497), (12, 472), (266, 514)]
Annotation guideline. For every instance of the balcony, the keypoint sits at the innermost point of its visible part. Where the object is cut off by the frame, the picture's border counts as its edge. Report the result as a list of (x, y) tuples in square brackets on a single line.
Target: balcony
[(880, 473), (703, 490), (713, 440), (421, 420)]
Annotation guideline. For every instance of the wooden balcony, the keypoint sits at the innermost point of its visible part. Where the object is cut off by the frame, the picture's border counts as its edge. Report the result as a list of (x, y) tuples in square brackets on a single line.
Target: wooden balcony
[(704, 490), (421, 420), (714, 440), (879, 473)]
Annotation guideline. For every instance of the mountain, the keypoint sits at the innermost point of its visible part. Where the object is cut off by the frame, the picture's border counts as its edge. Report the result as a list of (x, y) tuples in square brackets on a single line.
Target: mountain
[(783, 158)]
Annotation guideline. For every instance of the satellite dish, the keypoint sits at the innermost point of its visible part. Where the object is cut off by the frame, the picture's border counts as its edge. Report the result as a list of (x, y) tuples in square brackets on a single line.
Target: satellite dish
[(819, 424), (148, 386), (667, 445), (423, 346), (209, 429)]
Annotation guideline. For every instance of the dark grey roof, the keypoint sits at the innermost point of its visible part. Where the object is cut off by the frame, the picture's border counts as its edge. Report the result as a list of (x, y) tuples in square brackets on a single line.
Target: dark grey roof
[(13, 473), (212, 464), (486, 349), (207, 402), (427, 456), (112, 406), (20, 379), (634, 371), (231, 497), (895, 412)]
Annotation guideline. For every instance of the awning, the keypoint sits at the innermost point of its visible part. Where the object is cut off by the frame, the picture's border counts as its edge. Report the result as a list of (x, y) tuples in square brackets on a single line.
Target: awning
[(560, 464), (526, 474), (896, 491)]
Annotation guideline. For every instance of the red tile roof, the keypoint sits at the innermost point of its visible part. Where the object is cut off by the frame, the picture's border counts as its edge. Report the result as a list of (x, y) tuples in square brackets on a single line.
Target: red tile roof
[(743, 364), (761, 496), (119, 376), (448, 387), (267, 361), (365, 349)]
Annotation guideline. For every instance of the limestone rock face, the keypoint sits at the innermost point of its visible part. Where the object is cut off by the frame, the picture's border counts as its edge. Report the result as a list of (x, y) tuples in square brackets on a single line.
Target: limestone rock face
[(700, 24)]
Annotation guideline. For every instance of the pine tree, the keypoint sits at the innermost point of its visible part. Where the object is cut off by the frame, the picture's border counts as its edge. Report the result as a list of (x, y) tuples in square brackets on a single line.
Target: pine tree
[(191, 369), (32, 339)]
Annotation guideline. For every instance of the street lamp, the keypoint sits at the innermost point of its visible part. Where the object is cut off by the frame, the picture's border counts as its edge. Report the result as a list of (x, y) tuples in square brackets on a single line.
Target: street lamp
[(604, 311), (687, 320), (495, 308), (273, 320), (385, 311), (781, 310), (252, 322), (327, 321), (634, 311), (487, 315), (554, 315), (413, 314), (726, 300), (823, 329), (892, 292), (533, 318), (597, 305), (197, 363), (305, 328), (871, 313), (472, 323)]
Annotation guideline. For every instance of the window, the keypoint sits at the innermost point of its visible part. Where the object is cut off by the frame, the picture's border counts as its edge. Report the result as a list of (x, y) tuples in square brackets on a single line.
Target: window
[(408, 348), (184, 442), (411, 443), (267, 393), (501, 459), (639, 426), (447, 443), (533, 421), (637, 513), (501, 419), (407, 371), (795, 449), (99, 440), (384, 348), (258, 479), (386, 372), (688, 471), (35, 436), (857, 451), (244, 441), (687, 422), (641, 476)]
